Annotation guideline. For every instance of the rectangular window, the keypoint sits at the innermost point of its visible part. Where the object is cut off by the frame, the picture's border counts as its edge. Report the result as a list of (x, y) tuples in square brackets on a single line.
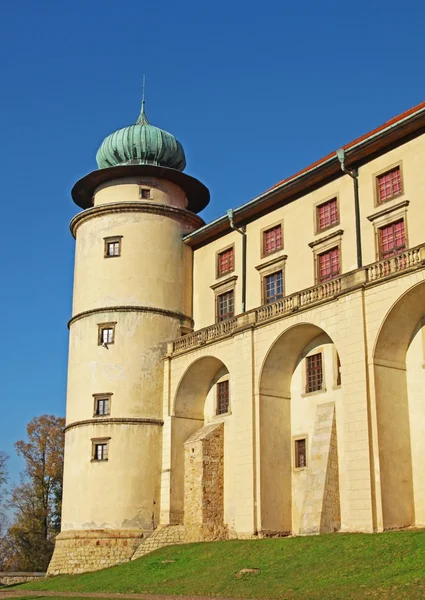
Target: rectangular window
[(145, 193), (272, 240), (106, 334), (273, 287), (100, 451), (389, 185), (225, 262), (101, 407), (223, 397), (300, 453), (314, 373), (327, 214), (328, 266), (112, 248), (392, 239), (225, 305)]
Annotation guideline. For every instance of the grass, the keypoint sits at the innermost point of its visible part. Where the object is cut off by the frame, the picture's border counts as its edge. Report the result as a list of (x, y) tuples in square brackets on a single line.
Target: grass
[(336, 566)]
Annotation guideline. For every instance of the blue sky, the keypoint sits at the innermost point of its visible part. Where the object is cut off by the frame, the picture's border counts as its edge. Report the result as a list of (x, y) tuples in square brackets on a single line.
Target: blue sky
[(254, 91)]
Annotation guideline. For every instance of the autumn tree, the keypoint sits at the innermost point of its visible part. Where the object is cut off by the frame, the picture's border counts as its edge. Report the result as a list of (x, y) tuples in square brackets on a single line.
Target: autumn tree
[(3, 518), (36, 501)]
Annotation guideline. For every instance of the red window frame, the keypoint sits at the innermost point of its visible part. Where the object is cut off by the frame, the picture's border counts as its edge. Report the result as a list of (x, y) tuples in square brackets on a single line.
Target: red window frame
[(392, 239), (225, 262), (314, 373), (223, 397), (389, 185), (272, 240), (328, 265), (327, 214), (225, 305)]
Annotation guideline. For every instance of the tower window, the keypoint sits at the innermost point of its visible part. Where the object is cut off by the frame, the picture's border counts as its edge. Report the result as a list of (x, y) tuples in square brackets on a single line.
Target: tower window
[(100, 450), (389, 185), (106, 334), (300, 453), (112, 246), (272, 240), (225, 305), (102, 405), (145, 193), (273, 287), (327, 214), (223, 397), (225, 262), (314, 373)]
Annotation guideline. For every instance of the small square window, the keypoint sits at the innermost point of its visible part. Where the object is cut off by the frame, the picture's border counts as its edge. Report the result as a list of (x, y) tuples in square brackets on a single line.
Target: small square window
[(112, 248), (145, 193), (328, 265), (389, 185), (225, 305), (300, 453), (273, 287), (314, 373), (102, 406), (225, 262), (272, 240), (392, 239), (100, 451), (327, 214), (106, 334), (223, 397)]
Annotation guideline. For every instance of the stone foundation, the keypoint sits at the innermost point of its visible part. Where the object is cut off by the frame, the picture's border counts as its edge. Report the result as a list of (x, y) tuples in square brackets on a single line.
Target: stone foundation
[(9, 578), (90, 550)]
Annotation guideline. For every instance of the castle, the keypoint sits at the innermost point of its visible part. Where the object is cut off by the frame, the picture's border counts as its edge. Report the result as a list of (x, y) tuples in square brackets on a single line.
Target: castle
[(259, 375)]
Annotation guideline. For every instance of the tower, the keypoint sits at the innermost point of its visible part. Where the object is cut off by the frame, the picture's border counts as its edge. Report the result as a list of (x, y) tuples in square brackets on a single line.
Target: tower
[(132, 293)]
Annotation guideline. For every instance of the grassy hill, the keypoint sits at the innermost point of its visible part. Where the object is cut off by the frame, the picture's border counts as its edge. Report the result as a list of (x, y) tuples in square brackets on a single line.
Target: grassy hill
[(337, 566)]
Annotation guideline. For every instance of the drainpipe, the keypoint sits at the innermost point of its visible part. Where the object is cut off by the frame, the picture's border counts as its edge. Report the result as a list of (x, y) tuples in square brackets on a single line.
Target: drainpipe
[(242, 231), (354, 174)]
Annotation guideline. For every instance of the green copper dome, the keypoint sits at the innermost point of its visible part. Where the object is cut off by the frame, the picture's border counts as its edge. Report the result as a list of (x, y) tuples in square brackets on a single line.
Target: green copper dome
[(141, 144)]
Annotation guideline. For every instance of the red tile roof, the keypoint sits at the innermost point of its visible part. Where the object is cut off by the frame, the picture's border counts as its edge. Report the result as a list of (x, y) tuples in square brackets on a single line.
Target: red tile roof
[(353, 143)]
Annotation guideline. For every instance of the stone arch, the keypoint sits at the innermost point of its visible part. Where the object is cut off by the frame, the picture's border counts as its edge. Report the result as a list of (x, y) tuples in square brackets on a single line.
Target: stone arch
[(392, 406), (187, 418), (275, 424)]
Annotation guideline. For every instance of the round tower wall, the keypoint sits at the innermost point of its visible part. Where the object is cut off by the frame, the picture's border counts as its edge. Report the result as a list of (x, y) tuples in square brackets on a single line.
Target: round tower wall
[(130, 190), (121, 492), (144, 295), (153, 268)]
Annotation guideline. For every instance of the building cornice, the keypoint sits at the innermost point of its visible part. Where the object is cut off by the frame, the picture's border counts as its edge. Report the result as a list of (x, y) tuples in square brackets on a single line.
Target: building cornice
[(178, 214), (187, 321), (390, 135), (115, 421)]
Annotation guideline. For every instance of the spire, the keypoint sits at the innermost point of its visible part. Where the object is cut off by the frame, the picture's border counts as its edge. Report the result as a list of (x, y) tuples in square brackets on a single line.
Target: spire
[(143, 120)]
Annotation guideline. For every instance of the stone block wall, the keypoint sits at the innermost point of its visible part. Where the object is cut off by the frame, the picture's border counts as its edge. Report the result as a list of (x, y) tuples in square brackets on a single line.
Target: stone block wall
[(91, 550), (204, 483), (10, 578)]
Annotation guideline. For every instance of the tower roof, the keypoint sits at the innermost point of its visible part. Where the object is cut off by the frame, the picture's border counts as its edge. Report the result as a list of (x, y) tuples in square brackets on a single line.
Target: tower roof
[(141, 144)]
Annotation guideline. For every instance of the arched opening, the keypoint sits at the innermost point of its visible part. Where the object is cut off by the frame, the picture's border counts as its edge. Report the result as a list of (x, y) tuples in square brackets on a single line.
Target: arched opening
[(399, 383), (188, 417), (292, 413)]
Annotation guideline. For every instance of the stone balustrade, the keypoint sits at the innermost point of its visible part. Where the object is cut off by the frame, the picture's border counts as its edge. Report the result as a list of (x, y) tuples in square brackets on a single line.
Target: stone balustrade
[(369, 275)]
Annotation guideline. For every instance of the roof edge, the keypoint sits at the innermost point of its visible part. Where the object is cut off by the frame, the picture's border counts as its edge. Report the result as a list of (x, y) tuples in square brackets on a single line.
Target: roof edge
[(353, 153)]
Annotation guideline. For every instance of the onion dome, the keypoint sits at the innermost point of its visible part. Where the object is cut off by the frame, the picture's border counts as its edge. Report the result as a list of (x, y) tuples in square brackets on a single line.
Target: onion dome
[(141, 144)]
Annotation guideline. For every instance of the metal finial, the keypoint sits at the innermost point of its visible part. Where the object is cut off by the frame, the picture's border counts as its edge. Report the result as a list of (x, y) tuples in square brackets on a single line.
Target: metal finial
[(142, 120)]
